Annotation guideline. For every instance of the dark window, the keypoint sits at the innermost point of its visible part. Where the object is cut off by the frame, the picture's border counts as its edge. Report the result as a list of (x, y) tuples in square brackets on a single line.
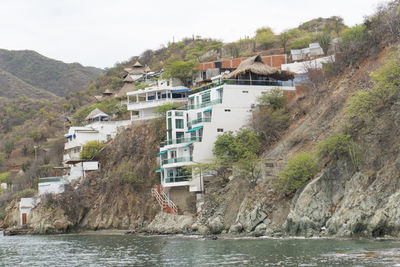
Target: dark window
[(227, 110), (179, 124), (220, 130)]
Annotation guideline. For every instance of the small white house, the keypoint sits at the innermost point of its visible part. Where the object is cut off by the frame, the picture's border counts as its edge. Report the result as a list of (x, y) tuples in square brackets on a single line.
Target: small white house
[(3, 185), (313, 50), (25, 207), (51, 185), (302, 67)]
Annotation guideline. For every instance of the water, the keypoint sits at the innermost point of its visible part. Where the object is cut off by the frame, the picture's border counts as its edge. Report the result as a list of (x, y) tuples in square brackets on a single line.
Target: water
[(120, 250)]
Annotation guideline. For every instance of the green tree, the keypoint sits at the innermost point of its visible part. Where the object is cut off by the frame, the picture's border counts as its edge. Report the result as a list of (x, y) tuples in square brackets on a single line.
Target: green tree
[(92, 150), (9, 147), (2, 159), (275, 98), (162, 110), (265, 37), (36, 135), (5, 177), (182, 70), (298, 171), (324, 40)]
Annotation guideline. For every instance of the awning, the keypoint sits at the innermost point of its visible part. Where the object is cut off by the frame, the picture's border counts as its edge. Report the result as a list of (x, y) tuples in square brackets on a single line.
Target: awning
[(160, 170), (161, 152), (188, 144), (190, 97), (220, 89), (68, 136), (195, 129), (180, 90), (207, 110)]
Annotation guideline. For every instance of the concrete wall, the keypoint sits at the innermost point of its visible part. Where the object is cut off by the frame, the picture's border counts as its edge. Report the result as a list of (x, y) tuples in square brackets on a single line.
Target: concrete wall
[(25, 206), (51, 187), (185, 200)]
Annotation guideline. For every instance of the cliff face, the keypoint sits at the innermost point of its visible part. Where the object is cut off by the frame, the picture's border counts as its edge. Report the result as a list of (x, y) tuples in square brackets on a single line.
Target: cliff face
[(118, 197)]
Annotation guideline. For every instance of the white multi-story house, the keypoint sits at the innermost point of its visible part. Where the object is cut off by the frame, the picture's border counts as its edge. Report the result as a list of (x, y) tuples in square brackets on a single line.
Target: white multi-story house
[(142, 103), (211, 111), (99, 128)]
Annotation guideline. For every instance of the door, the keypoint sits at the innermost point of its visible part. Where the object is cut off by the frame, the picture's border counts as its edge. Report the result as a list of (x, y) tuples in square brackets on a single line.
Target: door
[(23, 218)]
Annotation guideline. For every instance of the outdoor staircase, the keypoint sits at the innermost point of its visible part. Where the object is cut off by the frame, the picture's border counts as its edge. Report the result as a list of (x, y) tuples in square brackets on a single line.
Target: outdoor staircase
[(163, 200)]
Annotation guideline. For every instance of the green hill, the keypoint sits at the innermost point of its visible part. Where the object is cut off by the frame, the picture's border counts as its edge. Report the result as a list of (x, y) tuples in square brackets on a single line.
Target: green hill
[(51, 75)]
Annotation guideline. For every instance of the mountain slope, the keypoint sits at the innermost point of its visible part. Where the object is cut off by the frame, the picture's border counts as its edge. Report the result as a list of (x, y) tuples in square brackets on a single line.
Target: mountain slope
[(13, 87), (51, 75)]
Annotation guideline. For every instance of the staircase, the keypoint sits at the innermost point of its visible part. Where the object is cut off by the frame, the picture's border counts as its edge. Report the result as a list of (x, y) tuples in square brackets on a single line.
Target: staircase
[(163, 200)]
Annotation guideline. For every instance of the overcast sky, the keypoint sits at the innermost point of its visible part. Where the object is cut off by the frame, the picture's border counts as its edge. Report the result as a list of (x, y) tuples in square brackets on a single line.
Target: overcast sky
[(102, 32)]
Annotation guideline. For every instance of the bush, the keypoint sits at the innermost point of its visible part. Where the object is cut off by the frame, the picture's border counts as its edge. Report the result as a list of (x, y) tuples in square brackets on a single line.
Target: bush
[(28, 192), (298, 171), (91, 150), (125, 173), (335, 146), (275, 98), (5, 177), (162, 110), (356, 33)]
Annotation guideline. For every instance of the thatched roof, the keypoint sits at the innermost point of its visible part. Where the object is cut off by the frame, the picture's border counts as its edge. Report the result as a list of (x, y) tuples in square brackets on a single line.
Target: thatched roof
[(107, 92), (137, 65), (147, 69), (128, 79), (257, 66), (96, 113)]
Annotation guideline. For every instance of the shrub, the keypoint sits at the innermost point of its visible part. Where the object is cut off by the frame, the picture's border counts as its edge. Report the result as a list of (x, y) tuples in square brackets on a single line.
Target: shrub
[(182, 70), (125, 173), (28, 192), (356, 33), (335, 146), (36, 135), (5, 177), (324, 40), (265, 37), (275, 98), (162, 110), (298, 171), (91, 150)]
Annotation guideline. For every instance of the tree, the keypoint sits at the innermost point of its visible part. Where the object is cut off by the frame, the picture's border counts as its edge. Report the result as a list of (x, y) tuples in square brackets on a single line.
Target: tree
[(182, 70), (284, 38), (9, 147), (162, 110), (2, 159), (36, 135), (92, 150), (250, 166), (275, 98), (324, 40), (265, 37)]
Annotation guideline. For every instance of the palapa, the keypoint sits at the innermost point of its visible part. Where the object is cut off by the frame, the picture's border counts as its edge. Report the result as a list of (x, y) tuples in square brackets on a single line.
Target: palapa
[(96, 113), (255, 65)]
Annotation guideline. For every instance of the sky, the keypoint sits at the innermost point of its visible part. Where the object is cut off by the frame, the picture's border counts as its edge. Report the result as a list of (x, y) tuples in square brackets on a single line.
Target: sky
[(101, 33)]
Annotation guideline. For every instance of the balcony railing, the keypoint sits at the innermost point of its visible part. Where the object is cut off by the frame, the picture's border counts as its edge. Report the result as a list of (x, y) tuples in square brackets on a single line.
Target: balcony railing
[(181, 141), (193, 122), (177, 160), (50, 179), (242, 82), (177, 179), (202, 105)]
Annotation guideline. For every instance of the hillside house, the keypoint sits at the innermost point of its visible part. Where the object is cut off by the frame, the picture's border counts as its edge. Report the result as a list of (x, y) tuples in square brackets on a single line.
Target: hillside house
[(99, 128), (313, 50), (143, 103), (25, 207), (211, 111)]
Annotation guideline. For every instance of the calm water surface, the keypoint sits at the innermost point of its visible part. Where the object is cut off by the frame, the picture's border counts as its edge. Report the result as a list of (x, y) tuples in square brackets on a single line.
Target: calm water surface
[(120, 250)]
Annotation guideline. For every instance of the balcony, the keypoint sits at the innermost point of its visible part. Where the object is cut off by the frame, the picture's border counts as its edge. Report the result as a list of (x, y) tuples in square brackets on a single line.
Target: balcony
[(177, 160), (202, 105), (177, 179), (153, 103), (243, 82), (193, 122), (180, 141)]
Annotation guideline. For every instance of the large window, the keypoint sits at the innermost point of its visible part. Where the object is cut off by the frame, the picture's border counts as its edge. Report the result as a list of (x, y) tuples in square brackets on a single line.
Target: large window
[(179, 137), (179, 124), (169, 123), (205, 97)]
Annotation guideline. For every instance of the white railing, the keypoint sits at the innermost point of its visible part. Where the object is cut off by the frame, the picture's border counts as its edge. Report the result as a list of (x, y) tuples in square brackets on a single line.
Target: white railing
[(164, 200)]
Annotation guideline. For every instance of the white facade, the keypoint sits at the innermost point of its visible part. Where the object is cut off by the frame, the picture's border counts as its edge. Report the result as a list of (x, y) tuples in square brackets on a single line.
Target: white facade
[(313, 50), (302, 67), (3, 185), (101, 131), (191, 133), (25, 207), (51, 185), (142, 103), (80, 169)]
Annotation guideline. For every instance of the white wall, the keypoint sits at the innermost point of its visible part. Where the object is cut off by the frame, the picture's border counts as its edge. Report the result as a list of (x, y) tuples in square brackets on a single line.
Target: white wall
[(51, 187), (3, 186), (25, 206)]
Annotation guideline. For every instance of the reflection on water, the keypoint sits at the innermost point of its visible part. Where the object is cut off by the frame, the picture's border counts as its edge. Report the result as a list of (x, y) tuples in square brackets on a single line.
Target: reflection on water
[(119, 250)]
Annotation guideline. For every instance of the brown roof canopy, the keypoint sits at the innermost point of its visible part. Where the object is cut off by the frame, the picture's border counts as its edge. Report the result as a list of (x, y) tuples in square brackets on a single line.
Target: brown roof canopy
[(137, 65), (257, 66)]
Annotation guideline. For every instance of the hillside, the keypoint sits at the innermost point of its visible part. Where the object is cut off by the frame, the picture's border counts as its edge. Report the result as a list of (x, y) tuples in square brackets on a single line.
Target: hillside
[(13, 87), (44, 73)]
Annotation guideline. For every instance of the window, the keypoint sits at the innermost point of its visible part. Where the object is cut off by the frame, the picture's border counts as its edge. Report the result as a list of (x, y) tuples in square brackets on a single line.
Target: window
[(205, 97), (173, 154), (227, 110), (178, 113), (108, 137), (179, 137), (197, 100), (169, 123), (199, 115), (220, 130), (245, 92), (179, 124), (169, 113)]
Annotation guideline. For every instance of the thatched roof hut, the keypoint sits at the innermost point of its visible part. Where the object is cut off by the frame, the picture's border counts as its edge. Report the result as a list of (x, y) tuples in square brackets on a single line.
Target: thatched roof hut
[(254, 68), (107, 92), (97, 114), (137, 65)]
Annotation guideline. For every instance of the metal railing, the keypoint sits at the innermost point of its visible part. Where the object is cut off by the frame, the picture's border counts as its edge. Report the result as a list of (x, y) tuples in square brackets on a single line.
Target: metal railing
[(242, 82), (176, 160), (177, 179), (181, 141), (202, 105), (193, 122)]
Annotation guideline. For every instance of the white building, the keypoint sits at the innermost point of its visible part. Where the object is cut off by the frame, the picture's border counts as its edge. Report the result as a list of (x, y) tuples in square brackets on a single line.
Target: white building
[(51, 185), (25, 207), (142, 103), (211, 111), (3, 185), (313, 50), (304, 66), (98, 129)]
